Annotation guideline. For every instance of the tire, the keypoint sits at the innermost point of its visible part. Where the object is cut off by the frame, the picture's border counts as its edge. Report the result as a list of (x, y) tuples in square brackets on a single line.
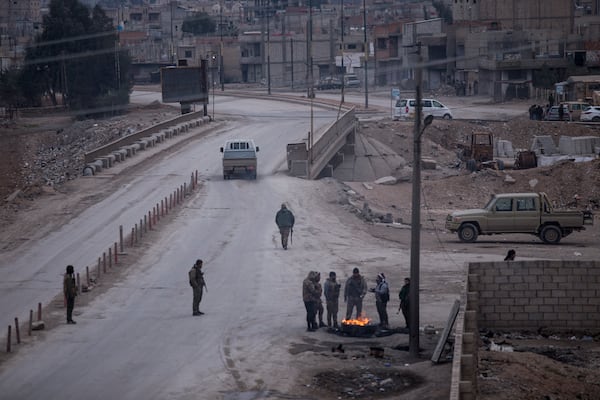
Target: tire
[(596, 119), (471, 165), (551, 234), (447, 116), (467, 233)]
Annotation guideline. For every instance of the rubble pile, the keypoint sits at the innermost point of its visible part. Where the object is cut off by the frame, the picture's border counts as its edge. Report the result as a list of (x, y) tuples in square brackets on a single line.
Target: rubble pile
[(53, 152)]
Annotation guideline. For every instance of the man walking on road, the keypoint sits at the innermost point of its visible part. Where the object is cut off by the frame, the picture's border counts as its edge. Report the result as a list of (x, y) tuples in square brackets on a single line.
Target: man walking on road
[(70, 291), (197, 283), (285, 221), (354, 291)]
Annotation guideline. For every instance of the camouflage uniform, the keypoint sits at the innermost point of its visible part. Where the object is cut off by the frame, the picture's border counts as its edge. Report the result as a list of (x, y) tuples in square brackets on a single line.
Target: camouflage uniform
[(70, 291), (197, 283), (332, 295)]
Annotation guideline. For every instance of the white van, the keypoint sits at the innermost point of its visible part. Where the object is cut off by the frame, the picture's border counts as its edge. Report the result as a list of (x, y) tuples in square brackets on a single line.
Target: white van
[(239, 155), (405, 109)]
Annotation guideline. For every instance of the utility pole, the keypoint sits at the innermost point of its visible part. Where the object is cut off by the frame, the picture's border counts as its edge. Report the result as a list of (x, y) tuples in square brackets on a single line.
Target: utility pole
[(415, 226), (172, 49), (221, 66), (309, 74), (268, 49), (343, 68), (366, 54)]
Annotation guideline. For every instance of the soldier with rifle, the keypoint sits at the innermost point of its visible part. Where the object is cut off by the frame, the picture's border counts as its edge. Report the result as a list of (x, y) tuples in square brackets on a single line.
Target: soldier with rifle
[(197, 283)]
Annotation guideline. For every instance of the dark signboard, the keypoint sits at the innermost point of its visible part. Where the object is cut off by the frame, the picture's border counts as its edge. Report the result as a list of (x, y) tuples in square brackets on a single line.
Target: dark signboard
[(184, 84)]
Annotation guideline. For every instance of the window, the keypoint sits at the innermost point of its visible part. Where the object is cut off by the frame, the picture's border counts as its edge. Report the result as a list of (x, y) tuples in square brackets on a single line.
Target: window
[(426, 103), (188, 54), (504, 205), (526, 204)]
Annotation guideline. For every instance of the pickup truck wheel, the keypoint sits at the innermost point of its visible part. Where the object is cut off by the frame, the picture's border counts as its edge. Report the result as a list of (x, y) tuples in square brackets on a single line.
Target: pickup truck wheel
[(550, 234), (467, 233)]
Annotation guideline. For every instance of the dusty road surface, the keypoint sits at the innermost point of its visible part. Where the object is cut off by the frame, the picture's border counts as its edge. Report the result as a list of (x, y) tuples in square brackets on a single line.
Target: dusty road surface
[(135, 335)]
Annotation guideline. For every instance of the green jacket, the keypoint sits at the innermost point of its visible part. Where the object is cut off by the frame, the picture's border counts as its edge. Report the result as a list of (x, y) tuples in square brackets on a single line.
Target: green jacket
[(284, 218), (69, 286), (403, 295), (197, 278)]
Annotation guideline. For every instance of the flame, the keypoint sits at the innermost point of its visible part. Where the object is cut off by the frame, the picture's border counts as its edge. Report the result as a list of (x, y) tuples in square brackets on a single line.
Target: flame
[(362, 321)]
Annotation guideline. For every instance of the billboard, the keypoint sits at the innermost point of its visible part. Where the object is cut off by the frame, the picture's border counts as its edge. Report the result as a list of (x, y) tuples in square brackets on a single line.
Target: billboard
[(184, 84)]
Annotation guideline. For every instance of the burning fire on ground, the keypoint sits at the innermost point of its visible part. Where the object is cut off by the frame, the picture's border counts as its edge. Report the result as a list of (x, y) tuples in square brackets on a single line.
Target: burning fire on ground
[(361, 321)]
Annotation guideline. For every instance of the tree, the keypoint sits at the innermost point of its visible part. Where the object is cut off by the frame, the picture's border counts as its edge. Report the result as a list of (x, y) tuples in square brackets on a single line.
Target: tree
[(199, 24), (10, 92), (77, 58)]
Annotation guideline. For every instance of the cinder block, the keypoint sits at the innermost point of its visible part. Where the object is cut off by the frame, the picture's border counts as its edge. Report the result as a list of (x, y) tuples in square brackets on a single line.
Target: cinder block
[(521, 316)]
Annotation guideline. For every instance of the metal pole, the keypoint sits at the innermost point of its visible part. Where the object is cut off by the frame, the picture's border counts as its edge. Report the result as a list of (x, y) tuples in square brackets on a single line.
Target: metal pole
[(310, 84), (221, 66), (415, 239), (366, 54), (343, 67), (268, 50), (292, 59)]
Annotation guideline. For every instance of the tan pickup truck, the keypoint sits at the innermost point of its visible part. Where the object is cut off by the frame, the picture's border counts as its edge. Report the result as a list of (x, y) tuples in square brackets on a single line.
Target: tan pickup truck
[(518, 213)]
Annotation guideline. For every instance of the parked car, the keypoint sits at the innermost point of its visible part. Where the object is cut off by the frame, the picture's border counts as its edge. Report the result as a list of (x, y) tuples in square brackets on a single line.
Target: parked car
[(591, 114), (518, 213), (554, 115), (576, 108), (405, 109), (329, 82), (351, 81)]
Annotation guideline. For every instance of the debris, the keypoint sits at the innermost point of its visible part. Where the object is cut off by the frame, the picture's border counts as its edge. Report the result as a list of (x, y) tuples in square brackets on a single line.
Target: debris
[(386, 180)]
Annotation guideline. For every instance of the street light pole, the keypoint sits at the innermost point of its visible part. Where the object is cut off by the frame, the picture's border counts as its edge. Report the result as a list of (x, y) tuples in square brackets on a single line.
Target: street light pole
[(343, 67), (268, 51), (366, 54), (415, 237)]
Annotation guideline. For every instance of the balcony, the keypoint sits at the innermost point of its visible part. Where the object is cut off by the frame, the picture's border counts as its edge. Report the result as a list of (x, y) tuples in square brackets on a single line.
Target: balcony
[(527, 63)]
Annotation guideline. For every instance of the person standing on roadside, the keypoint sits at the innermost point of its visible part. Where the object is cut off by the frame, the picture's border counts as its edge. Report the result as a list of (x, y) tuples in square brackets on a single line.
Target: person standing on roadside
[(404, 301), (309, 296), (510, 256), (320, 308), (354, 292), (382, 296), (332, 297), (70, 291), (197, 283), (285, 222)]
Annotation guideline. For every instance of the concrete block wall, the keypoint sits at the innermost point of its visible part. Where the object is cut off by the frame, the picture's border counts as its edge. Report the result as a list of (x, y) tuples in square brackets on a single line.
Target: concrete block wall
[(578, 145), (527, 295), (543, 145), (504, 148), (561, 296)]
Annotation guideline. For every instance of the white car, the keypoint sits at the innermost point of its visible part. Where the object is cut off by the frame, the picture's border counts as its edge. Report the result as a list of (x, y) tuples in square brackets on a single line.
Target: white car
[(406, 108), (590, 114)]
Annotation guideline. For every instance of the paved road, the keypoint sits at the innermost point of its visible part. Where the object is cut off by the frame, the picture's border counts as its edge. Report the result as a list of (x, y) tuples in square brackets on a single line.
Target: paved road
[(139, 340)]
